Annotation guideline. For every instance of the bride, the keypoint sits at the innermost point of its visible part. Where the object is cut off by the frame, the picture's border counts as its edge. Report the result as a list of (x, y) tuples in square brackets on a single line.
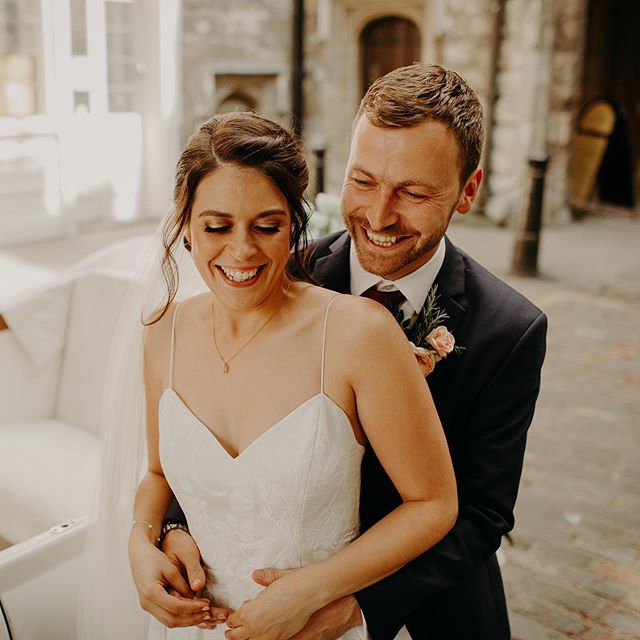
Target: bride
[(260, 394)]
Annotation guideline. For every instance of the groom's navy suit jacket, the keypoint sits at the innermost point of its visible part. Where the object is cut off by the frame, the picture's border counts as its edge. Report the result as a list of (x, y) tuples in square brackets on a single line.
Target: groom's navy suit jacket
[(485, 398)]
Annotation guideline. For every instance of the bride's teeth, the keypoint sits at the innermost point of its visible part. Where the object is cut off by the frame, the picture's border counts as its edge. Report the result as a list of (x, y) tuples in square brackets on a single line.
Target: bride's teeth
[(239, 276), (383, 241)]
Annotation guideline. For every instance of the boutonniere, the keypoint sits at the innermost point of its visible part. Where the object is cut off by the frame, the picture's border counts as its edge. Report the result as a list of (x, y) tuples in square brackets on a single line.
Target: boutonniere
[(430, 339)]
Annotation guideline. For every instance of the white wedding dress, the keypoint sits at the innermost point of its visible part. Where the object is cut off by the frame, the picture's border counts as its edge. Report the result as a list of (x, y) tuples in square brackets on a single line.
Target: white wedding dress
[(289, 499)]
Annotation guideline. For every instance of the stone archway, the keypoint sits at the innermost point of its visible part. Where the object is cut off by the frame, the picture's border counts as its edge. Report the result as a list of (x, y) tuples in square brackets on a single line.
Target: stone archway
[(237, 101), (386, 44)]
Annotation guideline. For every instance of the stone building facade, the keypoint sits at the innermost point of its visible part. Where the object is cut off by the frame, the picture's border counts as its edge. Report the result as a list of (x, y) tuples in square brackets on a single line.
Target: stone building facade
[(133, 78), (236, 55), (524, 58)]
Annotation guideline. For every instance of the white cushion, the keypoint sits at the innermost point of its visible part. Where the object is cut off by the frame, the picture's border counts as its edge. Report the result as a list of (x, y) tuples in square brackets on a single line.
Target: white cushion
[(48, 474), (39, 322), (95, 305), (28, 391)]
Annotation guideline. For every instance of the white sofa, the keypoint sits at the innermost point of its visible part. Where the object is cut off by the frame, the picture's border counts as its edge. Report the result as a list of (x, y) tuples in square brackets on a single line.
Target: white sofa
[(52, 363)]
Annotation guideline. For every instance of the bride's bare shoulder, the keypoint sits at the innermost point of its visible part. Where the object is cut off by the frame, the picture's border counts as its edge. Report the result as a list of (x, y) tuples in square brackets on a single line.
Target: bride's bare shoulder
[(345, 307), (364, 310), (359, 322)]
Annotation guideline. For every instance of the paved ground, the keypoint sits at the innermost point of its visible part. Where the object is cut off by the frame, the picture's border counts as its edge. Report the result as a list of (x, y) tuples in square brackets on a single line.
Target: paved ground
[(573, 570)]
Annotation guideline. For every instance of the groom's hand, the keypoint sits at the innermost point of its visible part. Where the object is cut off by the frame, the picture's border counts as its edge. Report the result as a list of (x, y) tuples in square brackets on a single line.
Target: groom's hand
[(183, 551), (328, 623)]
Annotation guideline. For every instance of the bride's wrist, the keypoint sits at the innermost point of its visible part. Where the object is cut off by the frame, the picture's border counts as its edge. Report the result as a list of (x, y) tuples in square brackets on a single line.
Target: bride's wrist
[(142, 530)]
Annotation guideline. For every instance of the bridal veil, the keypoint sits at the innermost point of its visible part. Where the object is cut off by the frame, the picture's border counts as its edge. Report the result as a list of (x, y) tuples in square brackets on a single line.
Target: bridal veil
[(108, 607)]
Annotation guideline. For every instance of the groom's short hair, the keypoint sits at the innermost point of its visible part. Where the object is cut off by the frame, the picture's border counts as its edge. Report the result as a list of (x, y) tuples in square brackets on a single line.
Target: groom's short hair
[(406, 96)]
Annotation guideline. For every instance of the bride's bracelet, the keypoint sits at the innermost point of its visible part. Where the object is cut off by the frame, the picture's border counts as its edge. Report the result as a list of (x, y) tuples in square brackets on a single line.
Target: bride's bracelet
[(150, 527)]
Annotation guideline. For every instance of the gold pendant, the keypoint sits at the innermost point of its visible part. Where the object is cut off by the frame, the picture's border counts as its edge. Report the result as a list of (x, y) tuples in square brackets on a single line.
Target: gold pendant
[(225, 369)]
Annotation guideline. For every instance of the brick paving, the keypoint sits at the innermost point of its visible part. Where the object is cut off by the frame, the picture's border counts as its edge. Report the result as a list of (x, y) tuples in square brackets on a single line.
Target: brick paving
[(573, 568)]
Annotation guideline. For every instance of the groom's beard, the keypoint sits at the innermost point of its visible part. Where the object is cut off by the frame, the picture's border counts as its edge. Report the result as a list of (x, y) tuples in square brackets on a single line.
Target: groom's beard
[(384, 262)]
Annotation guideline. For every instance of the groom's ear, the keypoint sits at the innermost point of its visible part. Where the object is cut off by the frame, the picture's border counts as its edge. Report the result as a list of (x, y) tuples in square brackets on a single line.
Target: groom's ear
[(469, 191)]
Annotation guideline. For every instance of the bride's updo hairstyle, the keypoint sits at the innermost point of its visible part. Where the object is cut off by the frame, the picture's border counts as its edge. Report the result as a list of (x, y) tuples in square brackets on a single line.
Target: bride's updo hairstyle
[(248, 140)]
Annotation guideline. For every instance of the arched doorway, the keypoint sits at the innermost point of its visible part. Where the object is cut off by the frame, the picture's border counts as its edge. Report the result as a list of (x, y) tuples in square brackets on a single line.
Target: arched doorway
[(386, 44), (611, 71), (237, 101)]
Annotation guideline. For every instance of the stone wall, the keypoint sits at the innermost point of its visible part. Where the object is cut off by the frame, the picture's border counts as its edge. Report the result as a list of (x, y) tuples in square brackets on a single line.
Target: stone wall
[(466, 42), (513, 133), (235, 47), (569, 29), (538, 85), (242, 48)]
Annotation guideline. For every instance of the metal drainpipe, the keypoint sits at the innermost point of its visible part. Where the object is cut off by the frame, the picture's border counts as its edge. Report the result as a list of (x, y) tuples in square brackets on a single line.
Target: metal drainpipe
[(498, 9), (297, 67)]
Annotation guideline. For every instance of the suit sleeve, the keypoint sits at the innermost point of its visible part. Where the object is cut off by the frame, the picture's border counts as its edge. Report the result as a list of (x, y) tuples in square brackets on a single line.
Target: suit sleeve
[(175, 513), (489, 458)]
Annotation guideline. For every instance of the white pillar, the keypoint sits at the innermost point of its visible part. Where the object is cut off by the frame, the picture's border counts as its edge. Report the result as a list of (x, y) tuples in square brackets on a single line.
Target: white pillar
[(161, 103)]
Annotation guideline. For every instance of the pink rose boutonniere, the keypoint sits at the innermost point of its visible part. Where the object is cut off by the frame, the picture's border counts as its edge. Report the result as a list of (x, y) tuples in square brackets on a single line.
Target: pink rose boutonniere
[(440, 344), (441, 341), (430, 339)]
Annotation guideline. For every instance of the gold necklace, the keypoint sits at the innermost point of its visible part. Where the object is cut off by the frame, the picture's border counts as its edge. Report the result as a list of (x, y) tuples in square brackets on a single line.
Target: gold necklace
[(225, 363)]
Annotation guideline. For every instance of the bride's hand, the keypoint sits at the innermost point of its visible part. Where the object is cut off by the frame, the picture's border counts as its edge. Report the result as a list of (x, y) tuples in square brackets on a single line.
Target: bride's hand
[(277, 613), (154, 574)]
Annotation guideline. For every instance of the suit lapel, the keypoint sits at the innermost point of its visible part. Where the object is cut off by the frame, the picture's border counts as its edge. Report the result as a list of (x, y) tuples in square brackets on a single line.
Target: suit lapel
[(451, 299), (451, 286), (332, 270)]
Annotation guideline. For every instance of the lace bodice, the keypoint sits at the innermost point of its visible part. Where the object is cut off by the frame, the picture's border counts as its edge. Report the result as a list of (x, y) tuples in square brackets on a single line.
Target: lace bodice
[(289, 499)]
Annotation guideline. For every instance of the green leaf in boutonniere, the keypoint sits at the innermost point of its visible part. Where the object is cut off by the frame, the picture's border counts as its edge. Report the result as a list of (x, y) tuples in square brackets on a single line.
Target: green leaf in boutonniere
[(430, 339)]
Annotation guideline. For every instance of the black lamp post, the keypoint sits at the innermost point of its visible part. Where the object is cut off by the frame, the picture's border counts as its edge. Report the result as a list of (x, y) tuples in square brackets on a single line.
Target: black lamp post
[(525, 253)]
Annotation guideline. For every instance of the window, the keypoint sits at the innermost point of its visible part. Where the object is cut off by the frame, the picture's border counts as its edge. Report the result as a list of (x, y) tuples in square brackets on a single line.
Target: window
[(20, 57), (121, 59), (78, 27), (81, 102)]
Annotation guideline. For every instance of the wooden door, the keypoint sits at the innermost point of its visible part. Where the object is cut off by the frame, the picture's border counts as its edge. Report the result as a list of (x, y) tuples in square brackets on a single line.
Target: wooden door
[(385, 45)]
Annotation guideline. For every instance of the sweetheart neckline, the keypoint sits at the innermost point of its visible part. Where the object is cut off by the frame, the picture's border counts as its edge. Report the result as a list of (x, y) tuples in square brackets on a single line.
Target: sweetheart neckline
[(232, 458)]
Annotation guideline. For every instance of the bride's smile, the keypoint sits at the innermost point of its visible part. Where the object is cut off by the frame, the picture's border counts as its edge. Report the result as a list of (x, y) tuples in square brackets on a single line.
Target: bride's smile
[(241, 276), (240, 234)]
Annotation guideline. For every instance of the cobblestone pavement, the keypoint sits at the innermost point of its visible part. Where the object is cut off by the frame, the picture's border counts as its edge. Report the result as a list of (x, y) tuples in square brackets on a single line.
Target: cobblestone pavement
[(573, 570)]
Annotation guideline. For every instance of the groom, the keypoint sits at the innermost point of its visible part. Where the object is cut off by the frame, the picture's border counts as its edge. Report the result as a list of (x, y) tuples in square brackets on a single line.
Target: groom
[(415, 151)]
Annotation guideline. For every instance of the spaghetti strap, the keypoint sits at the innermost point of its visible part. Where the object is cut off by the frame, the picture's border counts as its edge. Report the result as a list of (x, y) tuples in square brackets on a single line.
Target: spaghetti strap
[(173, 345), (324, 341)]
